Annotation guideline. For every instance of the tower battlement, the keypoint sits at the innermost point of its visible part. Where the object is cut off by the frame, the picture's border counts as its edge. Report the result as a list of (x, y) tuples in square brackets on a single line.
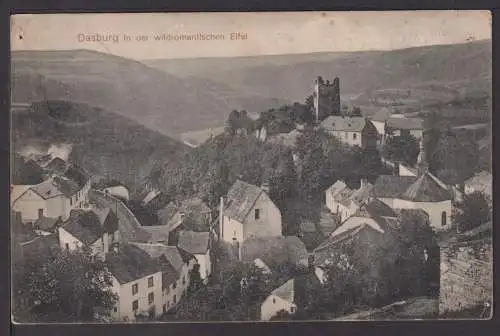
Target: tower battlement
[(326, 98)]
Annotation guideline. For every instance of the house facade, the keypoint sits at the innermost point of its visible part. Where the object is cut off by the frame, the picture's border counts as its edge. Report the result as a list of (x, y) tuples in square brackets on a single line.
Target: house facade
[(354, 131), (480, 182), (198, 245), (248, 212), (282, 298), (343, 201), (137, 282)]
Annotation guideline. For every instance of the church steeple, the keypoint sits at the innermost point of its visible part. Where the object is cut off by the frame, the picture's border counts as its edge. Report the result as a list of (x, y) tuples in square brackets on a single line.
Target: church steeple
[(422, 164)]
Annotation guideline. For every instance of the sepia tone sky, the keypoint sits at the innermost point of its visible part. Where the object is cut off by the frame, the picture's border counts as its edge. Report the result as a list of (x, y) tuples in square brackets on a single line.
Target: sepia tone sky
[(267, 33)]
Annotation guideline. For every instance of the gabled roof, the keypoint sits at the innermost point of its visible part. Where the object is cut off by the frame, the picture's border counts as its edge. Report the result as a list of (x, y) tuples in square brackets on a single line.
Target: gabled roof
[(131, 263), (392, 186), (194, 242), (426, 189), (172, 215), (375, 208), (482, 178), (346, 124), (240, 200), (57, 166), (286, 291), (158, 233), (405, 123), (47, 189), (89, 226), (275, 250), (170, 253)]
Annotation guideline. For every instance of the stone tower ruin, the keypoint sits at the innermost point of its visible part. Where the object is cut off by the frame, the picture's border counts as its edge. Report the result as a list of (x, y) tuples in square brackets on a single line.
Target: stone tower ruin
[(326, 98)]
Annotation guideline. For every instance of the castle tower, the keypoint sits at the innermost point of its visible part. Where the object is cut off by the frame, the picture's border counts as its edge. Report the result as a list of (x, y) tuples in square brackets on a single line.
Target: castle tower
[(326, 98)]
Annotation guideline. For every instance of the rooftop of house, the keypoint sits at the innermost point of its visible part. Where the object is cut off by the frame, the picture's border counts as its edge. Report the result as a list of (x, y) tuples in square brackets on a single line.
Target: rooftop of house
[(174, 214), (426, 189), (405, 123), (286, 291), (46, 223), (47, 189), (344, 195), (89, 226), (131, 263), (345, 124), (375, 208), (57, 166), (240, 200), (275, 251), (194, 242), (170, 253), (158, 233), (392, 186)]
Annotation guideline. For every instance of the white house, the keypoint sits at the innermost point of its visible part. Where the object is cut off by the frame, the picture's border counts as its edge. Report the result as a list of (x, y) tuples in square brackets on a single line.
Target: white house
[(176, 266), (343, 201), (248, 212), (282, 298), (411, 192), (96, 229), (354, 131), (197, 244), (54, 197), (137, 281)]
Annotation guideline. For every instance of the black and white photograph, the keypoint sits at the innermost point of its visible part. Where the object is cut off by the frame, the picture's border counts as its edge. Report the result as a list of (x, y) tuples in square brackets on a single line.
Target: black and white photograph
[(272, 166)]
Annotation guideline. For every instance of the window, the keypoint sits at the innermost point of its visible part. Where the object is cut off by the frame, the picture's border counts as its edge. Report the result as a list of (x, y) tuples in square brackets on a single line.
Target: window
[(151, 298), (184, 280), (67, 246), (168, 304), (135, 305), (174, 285), (274, 300), (292, 309), (70, 201), (354, 136), (135, 289), (150, 282), (175, 298), (257, 214), (115, 309), (40, 213), (443, 218), (164, 308)]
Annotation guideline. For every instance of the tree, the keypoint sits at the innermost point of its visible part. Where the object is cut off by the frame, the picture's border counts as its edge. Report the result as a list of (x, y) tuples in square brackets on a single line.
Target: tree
[(63, 287), (473, 211), (404, 148), (233, 122)]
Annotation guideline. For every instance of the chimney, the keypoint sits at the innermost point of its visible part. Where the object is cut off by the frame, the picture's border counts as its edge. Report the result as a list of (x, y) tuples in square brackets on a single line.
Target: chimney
[(221, 218)]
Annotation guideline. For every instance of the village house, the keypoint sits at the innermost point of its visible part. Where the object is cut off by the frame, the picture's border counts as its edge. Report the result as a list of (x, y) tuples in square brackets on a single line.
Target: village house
[(411, 192), (197, 244), (56, 196), (344, 201), (388, 124), (282, 298), (466, 279), (176, 268), (480, 182), (119, 191), (137, 281), (96, 229), (354, 131), (248, 212)]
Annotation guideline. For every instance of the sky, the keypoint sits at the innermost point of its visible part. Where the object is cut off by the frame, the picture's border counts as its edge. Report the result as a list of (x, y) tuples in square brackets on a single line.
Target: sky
[(260, 33)]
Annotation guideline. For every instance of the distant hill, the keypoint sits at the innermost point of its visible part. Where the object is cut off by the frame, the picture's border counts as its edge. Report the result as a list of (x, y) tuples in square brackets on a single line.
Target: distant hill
[(155, 99), (432, 74), (104, 143)]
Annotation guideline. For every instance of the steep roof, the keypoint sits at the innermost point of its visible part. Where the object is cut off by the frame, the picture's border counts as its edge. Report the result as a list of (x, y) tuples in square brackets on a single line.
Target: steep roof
[(426, 189), (173, 214), (375, 208), (170, 253), (47, 189), (57, 166), (89, 226), (240, 200), (131, 263), (158, 233), (346, 124), (275, 250), (392, 186), (405, 123), (194, 242), (286, 291)]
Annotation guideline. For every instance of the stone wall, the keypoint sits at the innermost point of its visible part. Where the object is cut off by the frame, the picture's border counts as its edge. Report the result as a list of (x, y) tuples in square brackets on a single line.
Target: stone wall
[(466, 275), (326, 98)]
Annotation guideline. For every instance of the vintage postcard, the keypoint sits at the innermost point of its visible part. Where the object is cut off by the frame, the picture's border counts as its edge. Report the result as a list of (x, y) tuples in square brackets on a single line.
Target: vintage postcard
[(319, 166)]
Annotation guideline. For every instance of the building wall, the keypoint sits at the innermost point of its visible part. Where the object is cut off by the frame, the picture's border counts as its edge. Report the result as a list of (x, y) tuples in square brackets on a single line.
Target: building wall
[(433, 209), (350, 138), (419, 134), (404, 171), (28, 204), (339, 209), (67, 238), (272, 305), (232, 229), (205, 264), (466, 276), (369, 136), (269, 222), (124, 309), (181, 285), (380, 126)]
